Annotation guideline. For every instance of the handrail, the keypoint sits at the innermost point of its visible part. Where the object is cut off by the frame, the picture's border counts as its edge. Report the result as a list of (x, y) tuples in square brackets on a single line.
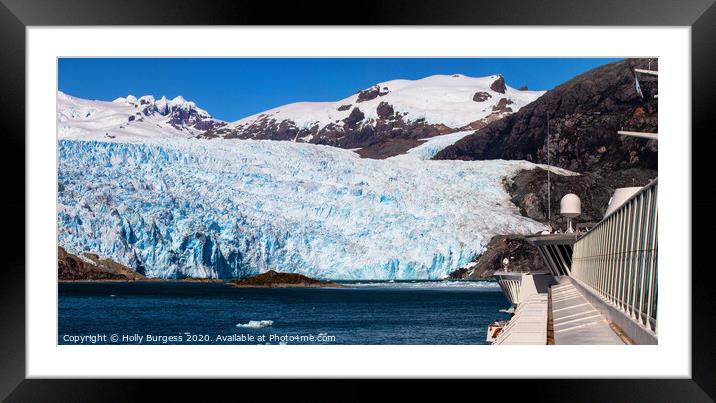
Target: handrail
[(618, 257)]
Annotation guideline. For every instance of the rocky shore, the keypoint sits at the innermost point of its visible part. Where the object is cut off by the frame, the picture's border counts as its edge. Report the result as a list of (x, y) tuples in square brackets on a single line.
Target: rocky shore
[(89, 266), (274, 279)]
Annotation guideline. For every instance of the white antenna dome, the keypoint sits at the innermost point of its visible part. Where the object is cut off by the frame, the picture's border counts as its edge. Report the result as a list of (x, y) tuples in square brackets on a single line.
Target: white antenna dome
[(570, 205)]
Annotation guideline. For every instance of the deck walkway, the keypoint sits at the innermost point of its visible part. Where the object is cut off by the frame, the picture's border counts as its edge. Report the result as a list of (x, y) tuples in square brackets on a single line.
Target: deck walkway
[(529, 324), (576, 321)]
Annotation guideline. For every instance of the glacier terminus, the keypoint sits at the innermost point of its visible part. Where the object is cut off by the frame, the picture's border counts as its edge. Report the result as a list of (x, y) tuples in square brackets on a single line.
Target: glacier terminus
[(231, 208)]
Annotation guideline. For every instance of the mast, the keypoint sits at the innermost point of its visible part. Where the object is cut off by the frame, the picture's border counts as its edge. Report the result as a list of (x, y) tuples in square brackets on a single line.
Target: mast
[(549, 186)]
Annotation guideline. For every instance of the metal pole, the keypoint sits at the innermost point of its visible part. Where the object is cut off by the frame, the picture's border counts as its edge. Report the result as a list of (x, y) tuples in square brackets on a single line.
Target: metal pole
[(549, 185)]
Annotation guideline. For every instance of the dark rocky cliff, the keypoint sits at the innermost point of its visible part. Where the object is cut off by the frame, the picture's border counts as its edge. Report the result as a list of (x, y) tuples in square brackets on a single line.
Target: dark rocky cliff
[(528, 191), (522, 255), (585, 114)]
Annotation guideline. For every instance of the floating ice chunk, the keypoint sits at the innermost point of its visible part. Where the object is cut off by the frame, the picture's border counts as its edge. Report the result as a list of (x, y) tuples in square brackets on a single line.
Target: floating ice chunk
[(255, 324)]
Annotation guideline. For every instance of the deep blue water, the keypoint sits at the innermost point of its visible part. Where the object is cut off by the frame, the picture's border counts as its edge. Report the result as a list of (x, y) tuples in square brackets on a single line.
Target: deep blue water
[(199, 313)]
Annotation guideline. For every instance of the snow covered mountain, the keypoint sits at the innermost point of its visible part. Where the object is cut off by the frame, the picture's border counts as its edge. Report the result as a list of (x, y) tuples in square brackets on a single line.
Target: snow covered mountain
[(384, 120), (387, 118), (232, 208), (131, 117)]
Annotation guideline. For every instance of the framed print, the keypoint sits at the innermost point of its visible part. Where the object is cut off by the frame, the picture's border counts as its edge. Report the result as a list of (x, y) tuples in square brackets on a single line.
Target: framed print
[(472, 198)]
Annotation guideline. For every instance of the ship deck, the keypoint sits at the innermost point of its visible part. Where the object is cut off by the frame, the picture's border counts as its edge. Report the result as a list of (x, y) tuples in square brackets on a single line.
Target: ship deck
[(574, 320)]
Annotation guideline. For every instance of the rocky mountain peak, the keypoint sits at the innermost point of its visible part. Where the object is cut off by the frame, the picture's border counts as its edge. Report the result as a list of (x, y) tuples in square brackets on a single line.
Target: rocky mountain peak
[(499, 84), (132, 116), (163, 106), (372, 93)]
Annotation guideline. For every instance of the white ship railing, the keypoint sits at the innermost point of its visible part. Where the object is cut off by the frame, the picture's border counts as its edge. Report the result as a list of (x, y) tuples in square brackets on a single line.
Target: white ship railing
[(618, 257)]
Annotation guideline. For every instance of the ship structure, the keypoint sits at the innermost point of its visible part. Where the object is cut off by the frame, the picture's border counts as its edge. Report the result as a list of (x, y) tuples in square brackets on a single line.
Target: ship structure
[(602, 283)]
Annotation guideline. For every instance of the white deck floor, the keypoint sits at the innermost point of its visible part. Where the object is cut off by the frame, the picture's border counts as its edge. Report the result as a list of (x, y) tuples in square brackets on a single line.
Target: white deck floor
[(576, 321), (529, 325)]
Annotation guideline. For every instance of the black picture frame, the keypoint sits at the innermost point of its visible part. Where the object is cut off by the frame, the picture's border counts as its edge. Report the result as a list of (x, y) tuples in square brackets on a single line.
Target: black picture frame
[(16, 15)]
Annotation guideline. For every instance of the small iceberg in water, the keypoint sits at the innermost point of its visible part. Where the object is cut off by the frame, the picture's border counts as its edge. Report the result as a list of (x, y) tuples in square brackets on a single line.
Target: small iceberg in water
[(256, 324)]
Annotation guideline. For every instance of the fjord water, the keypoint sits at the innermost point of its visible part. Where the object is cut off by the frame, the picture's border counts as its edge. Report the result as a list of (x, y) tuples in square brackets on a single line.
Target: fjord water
[(208, 313)]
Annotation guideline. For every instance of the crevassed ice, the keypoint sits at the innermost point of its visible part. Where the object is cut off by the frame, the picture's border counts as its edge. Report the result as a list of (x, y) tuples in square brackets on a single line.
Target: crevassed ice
[(232, 208)]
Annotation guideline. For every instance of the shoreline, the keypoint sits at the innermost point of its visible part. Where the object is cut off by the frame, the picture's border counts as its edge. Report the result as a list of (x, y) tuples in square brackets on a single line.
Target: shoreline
[(334, 285), (218, 280), (144, 280), (228, 282)]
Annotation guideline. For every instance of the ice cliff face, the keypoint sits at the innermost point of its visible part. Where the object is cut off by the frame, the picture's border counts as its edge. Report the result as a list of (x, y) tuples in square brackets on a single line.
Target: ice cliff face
[(232, 208)]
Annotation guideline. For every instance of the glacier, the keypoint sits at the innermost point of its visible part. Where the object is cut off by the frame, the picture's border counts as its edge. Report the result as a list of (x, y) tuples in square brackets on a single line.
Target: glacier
[(176, 208), (431, 146)]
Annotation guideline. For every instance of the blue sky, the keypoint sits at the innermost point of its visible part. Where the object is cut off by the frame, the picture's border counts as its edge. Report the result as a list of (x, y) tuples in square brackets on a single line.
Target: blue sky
[(231, 89)]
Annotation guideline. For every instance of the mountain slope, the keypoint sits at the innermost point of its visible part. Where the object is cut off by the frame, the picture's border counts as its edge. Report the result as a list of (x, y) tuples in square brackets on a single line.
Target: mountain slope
[(388, 118), (585, 114)]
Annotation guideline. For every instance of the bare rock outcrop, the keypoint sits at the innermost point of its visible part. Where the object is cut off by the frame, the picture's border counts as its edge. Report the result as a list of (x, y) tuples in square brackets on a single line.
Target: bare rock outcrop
[(89, 266), (522, 255), (274, 279), (481, 96), (499, 85)]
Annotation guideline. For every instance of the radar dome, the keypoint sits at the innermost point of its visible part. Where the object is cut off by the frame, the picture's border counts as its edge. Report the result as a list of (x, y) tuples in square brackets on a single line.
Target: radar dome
[(570, 205)]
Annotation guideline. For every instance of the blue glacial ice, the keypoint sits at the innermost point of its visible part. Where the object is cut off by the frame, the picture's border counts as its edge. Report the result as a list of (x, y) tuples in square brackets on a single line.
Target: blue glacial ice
[(233, 208)]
